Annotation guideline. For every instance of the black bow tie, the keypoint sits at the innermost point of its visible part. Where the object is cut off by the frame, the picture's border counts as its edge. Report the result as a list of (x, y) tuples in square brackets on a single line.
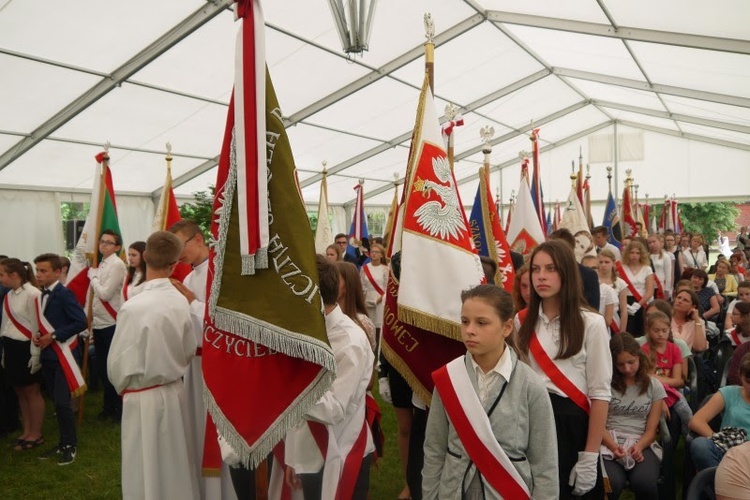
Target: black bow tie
[(46, 291)]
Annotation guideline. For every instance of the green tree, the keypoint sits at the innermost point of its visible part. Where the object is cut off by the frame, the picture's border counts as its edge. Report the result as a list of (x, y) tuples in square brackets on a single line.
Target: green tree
[(200, 211), (707, 218)]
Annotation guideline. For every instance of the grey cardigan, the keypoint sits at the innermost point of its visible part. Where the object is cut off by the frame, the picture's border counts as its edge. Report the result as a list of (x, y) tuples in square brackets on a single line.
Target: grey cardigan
[(530, 442)]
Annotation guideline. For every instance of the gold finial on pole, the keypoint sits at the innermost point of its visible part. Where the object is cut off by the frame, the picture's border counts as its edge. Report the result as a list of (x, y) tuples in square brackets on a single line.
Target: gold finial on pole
[(325, 164)]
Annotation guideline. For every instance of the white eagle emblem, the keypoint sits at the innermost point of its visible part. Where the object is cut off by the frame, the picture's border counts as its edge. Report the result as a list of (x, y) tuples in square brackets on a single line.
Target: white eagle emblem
[(440, 219)]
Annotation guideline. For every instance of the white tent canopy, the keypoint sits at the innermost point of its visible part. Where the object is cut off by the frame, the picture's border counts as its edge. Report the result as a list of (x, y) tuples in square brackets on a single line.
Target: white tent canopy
[(670, 79)]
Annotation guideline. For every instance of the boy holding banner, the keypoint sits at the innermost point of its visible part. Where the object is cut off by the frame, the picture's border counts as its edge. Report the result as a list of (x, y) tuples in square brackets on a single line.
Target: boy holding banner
[(61, 318)]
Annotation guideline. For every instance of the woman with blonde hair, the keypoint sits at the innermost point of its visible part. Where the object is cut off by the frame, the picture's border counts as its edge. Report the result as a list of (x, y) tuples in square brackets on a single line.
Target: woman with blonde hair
[(635, 271)]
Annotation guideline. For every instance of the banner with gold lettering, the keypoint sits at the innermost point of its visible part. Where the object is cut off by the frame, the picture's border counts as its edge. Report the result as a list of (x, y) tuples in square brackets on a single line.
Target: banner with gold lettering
[(437, 260), (266, 357)]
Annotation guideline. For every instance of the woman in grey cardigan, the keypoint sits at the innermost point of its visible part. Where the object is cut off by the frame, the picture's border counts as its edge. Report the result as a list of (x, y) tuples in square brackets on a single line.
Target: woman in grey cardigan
[(511, 396)]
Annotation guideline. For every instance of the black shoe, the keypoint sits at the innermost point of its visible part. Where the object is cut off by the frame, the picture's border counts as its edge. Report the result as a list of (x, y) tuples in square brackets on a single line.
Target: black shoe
[(67, 455), (57, 450)]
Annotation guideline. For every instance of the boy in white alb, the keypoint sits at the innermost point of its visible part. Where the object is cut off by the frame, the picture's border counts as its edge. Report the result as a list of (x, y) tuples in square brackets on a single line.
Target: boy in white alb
[(150, 353), (330, 452), (195, 253)]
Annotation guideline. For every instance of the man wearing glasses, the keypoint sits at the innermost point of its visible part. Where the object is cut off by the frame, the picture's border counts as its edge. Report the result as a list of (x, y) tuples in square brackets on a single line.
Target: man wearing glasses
[(107, 281)]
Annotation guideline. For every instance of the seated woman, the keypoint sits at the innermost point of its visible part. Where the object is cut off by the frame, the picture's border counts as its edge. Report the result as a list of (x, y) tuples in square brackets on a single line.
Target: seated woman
[(724, 280), (733, 474), (733, 402), (629, 444), (687, 323), (708, 300)]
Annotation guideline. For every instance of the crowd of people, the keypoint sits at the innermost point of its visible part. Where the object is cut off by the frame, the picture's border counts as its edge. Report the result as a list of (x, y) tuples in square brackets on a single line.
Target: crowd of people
[(560, 394)]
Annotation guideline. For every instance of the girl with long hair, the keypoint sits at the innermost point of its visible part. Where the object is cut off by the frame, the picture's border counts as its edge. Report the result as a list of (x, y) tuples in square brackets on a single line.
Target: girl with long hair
[(608, 278), (629, 446), (21, 358), (566, 343), (635, 270), (136, 276)]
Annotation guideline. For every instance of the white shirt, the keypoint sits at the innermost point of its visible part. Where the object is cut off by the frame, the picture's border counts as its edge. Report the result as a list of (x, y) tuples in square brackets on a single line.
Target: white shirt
[(486, 382), (591, 368), (21, 303), (638, 280), (694, 260), (196, 283), (134, 289), (663, 270), (342, 407), (45, 297), (608, 296), (107, 286)]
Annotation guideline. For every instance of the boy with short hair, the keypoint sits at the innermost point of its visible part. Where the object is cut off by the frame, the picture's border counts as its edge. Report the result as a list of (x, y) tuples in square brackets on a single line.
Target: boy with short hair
[(601, 240), (106, 282), (61, 318), (150, 353)]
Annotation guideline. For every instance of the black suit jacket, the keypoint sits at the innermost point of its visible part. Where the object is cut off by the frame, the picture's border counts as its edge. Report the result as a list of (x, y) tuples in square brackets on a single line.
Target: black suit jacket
[(65, 314), (590, 281)]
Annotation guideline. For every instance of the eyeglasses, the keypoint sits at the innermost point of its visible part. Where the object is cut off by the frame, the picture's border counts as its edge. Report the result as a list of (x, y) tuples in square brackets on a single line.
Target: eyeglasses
[(107, 243)]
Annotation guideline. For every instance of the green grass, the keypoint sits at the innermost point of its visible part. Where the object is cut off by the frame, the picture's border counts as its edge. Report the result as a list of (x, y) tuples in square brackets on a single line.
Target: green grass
[(96, 472)]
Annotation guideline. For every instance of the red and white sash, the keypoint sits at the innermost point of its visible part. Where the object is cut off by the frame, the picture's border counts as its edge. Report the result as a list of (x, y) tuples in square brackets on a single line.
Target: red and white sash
[(624, 275), (64, 352), (371, 279), (125, 289), (110, 309), (613, 327), (25, 328), (735, 338), (553, 372), (659, 293), (351, 463), (475, 431)]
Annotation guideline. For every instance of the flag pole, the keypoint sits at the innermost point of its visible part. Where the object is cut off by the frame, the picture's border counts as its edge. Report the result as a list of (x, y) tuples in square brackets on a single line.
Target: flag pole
[(94, 263), (165, 199), (589, 218), (451, 111), (429, 49)]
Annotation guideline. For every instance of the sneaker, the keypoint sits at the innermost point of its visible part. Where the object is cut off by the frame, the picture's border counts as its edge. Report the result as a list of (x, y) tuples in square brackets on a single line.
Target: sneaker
[(57, 450), (67, 455)]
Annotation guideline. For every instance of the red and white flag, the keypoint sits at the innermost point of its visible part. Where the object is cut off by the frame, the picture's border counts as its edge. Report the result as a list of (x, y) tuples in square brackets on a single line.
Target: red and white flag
[(249, 108), (525, 231), (435, 232), (628, 220), (167, 214)]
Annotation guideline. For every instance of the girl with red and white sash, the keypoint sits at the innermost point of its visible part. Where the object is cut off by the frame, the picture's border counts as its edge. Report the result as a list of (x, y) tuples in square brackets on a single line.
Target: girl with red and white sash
[(567, 345), (636, 271), (374, 277), (136, 276), (21, 357), (490, 431)]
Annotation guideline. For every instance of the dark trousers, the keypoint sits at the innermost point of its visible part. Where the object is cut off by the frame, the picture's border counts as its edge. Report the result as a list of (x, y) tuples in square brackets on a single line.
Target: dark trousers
[(635, 325), (312, 484), (644, 477), (416, 454), (54, 379), (572, 426), (103, 340)]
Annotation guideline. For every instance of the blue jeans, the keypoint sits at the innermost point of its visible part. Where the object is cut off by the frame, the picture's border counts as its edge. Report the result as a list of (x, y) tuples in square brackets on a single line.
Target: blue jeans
[(705, 453)]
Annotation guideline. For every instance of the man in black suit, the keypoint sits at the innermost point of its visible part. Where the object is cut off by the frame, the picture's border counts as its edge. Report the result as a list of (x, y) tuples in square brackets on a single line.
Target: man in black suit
[(589, 278), (65, 318)]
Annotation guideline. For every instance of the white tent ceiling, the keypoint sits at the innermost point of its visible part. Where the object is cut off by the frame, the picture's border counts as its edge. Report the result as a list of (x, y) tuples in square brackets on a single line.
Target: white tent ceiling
[(140, 73)]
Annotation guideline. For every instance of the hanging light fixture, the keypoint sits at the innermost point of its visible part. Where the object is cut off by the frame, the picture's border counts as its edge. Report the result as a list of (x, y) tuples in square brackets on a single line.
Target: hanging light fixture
[(354, 23)]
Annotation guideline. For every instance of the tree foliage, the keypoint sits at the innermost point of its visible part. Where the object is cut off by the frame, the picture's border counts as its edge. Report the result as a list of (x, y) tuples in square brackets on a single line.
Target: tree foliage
[(200, 211), (707, 218)]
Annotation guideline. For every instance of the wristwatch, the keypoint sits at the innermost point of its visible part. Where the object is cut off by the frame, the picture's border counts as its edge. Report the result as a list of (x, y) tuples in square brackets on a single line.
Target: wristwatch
[(54, 337)]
